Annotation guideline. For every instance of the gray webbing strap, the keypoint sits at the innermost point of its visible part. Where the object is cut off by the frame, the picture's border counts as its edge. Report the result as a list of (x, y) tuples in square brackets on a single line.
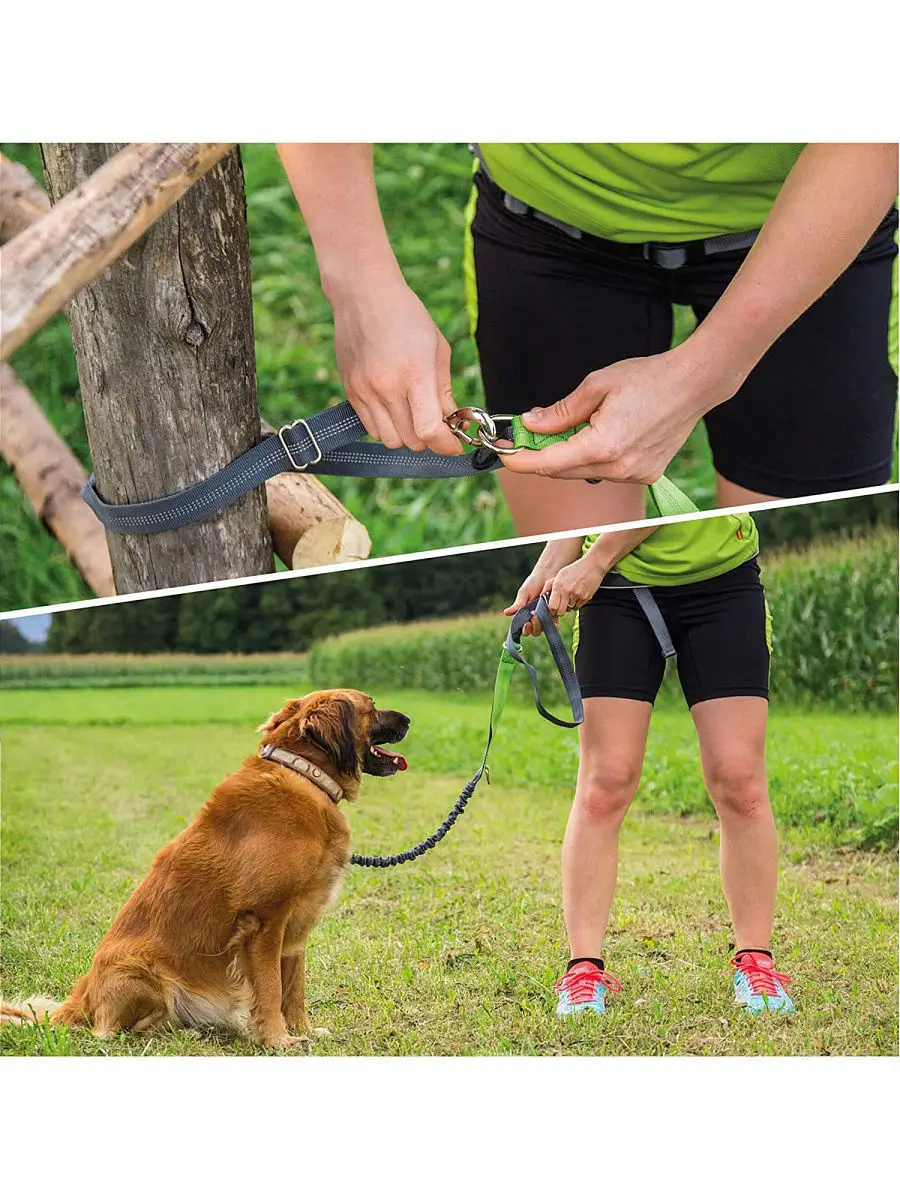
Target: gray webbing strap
[(327, 443), (657, 622), (651, 609), (512, 646)]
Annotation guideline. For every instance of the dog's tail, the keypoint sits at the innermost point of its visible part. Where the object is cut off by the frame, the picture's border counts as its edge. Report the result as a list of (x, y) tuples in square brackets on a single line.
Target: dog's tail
[(36, 1009)]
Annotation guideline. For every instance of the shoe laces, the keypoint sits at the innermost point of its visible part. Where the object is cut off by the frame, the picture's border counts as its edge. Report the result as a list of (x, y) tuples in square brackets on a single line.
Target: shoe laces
[(760, 974), (581, 982)]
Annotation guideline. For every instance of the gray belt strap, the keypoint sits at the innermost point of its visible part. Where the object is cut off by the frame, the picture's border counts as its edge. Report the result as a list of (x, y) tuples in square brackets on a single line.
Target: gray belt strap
[(647, 601), (669, 256), (327, 443), (657, 621)]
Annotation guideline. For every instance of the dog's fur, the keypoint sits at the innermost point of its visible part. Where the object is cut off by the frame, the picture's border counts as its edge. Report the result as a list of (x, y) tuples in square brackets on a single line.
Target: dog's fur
[(216, 933)]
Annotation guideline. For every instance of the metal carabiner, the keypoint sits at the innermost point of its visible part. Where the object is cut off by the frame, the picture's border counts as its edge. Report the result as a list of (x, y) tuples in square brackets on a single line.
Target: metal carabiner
[(485, 428)]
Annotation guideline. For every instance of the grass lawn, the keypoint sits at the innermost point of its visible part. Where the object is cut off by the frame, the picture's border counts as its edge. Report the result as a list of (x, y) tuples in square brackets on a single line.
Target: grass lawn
[(457, 954)]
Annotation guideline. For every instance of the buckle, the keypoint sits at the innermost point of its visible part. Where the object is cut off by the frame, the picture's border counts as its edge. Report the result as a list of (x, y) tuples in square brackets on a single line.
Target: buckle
[(485, 428), (670, 258), (312, 437)]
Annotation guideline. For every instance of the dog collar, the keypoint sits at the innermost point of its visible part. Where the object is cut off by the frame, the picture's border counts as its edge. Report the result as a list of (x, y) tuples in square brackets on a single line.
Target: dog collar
[(302, 766)]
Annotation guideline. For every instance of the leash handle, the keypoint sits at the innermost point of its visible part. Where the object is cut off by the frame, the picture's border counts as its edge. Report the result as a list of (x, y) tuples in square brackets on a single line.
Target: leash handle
[(513, 647)]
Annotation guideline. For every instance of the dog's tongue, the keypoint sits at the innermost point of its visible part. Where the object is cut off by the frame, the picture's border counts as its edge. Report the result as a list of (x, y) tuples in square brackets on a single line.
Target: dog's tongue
[(397, 759)]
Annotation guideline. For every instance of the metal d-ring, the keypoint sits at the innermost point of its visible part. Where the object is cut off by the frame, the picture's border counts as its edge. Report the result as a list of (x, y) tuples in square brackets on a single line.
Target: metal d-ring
[(312, 437), (485, 425)]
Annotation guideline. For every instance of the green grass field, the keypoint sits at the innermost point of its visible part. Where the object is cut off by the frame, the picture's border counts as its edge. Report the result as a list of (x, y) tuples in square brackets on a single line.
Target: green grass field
[(456, 954)]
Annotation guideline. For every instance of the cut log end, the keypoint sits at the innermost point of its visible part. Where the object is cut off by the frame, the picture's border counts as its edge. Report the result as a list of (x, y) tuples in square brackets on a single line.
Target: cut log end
[(338, 541)]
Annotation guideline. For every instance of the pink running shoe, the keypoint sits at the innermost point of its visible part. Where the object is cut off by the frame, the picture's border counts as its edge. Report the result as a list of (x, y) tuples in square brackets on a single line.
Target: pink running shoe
[(758, 987), (584, 986)]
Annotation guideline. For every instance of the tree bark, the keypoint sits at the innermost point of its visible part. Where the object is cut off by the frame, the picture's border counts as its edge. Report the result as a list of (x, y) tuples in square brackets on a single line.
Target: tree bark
[(100, 218), (164, 345), (22, 199), (51, 478)]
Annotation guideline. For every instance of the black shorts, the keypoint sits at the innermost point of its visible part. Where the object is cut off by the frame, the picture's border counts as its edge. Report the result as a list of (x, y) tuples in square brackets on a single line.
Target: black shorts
[(719, 628), (815, 415)]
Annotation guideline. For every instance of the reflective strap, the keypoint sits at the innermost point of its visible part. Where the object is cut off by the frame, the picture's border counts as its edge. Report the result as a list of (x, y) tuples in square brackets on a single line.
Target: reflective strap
[(327, 443)]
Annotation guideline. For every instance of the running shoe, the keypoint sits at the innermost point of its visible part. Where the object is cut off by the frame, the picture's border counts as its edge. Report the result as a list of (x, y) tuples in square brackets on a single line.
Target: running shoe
[(584, 986), (758, 987)]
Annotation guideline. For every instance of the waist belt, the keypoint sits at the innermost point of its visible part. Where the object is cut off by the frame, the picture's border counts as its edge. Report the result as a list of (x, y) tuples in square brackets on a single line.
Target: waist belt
[(667, 255)]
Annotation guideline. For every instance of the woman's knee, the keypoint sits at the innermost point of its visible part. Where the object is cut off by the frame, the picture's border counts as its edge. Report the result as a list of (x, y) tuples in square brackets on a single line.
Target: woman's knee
[(606, 791), (738, 787)]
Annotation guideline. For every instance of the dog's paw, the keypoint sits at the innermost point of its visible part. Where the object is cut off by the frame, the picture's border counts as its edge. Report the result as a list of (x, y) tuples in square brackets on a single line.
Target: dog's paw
[(291, 1041)]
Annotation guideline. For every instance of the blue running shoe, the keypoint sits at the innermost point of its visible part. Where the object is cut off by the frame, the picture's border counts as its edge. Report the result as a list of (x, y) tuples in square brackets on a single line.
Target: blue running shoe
[(758, 986), (584, 986)]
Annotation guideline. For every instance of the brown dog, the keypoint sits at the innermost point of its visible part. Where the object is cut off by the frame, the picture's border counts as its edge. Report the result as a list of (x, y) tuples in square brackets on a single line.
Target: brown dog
[(216, 933)]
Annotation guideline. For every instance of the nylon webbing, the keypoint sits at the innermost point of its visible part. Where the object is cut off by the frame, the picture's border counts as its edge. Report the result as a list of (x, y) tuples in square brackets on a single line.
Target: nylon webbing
[(327, 443)]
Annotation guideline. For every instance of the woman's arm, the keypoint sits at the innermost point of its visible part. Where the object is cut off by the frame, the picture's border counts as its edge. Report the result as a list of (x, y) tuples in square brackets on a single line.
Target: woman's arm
[(571, 577), (641, 410), (393, 361)]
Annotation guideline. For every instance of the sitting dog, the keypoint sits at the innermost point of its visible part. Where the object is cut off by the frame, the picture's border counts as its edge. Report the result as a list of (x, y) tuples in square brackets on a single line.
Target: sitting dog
[(216, 933)]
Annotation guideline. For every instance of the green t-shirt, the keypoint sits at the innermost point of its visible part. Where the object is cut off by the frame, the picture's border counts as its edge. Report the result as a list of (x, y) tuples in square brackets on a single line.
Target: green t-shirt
[(689, 551), (646, 191)]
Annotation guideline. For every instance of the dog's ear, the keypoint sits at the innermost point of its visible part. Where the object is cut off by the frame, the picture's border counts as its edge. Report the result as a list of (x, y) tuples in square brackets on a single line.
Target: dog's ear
[(332, 726), (288, 710)]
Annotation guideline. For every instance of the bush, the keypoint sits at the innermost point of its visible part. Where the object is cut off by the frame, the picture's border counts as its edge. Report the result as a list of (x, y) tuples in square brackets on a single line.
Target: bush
[(834, 636)]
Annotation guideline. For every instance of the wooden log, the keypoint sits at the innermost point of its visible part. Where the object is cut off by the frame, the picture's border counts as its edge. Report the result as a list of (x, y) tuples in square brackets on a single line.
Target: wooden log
[(103, 214), (52, 477), (309, 526), (22, 199), (164, 345)]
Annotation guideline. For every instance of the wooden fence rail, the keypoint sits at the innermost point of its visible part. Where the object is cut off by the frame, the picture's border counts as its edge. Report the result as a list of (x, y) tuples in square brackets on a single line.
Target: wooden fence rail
[(91, 227)]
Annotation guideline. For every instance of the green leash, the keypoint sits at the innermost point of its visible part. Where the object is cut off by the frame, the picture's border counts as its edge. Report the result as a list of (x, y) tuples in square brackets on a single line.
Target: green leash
[(663, 496)]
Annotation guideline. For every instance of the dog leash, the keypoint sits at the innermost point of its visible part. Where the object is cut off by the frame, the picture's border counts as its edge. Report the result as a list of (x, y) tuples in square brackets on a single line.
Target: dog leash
[(512, 656), (330, 443)]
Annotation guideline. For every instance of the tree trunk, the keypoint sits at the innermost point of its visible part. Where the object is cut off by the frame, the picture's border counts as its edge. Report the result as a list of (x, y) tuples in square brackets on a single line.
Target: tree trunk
[(164, 344)]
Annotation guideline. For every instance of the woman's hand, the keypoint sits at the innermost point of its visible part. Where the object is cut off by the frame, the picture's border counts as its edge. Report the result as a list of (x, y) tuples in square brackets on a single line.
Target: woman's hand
[(530, 590), (394, 364), (393, 361), (573, 586), (642, 410), (568, 589), (640, 413)]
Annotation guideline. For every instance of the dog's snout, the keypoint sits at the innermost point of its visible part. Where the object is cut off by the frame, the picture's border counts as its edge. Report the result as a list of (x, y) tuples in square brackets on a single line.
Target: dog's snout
[(395, 724)]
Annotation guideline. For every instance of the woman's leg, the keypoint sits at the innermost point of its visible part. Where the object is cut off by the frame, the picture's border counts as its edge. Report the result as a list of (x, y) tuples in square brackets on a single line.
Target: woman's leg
[(732, 736), (612, 739), (554, 505)]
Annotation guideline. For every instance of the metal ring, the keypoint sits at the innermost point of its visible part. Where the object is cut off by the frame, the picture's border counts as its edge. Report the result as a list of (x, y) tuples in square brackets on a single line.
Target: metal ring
[(486, 441), (486, 428), (312, 437), (471, 416)]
